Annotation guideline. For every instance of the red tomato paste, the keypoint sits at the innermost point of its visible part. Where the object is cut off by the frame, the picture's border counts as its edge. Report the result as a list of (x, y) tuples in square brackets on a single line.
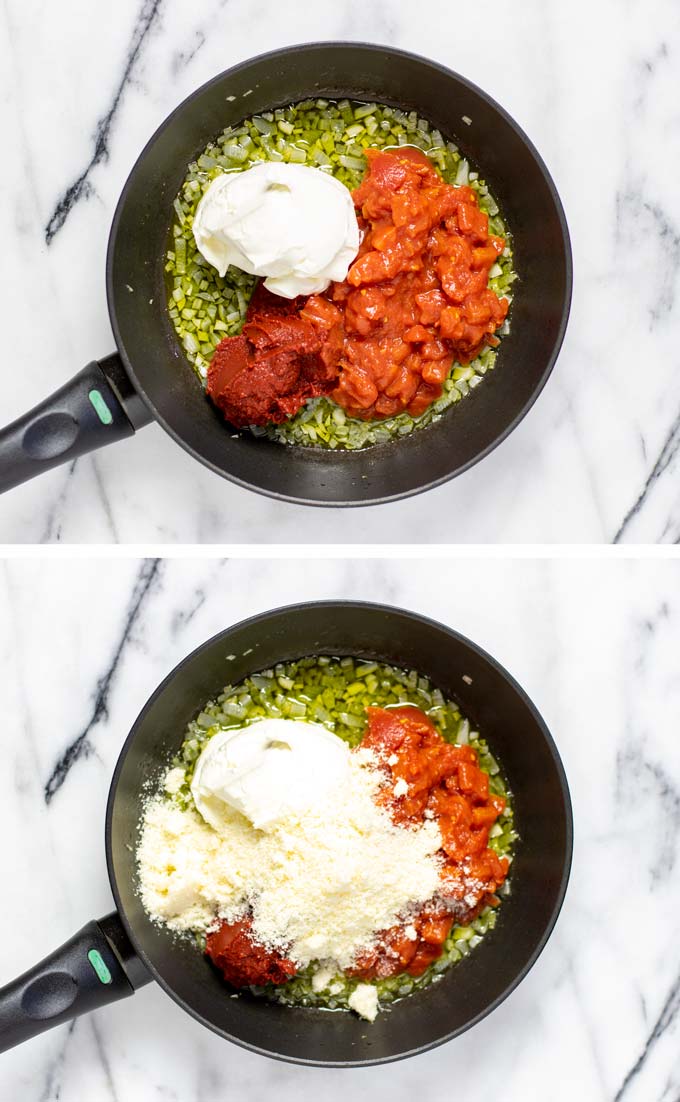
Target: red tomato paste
[(383, 341), (267, 373), (242, 960)]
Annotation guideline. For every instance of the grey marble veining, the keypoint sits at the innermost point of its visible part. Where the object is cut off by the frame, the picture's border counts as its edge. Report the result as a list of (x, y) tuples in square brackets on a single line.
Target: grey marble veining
[(596, 458), (595, 644)]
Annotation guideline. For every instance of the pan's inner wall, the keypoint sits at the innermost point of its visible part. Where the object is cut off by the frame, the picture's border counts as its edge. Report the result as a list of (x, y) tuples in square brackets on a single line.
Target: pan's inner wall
[(137, 288), (515, 733)]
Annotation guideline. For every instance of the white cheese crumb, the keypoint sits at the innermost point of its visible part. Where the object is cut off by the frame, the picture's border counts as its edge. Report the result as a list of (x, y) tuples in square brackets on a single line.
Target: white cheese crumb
[(400, 788), (335, 988), (428, 814), (411, 932), (321, 978), (364, 999), (364, 756), (392, 760), (467, 679), (174, 780)]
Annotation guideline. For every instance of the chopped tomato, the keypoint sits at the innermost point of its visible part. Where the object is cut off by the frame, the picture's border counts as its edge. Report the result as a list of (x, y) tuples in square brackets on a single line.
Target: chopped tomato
[(444, 783), (421, 276)]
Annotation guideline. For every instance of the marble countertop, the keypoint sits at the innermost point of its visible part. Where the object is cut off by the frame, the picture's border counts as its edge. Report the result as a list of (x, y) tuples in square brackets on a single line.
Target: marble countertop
[(596, 458), (594, 643)]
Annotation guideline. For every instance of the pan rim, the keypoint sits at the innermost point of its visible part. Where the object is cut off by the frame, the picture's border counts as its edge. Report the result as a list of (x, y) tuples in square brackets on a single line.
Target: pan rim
[(500, 436), (373, 607)]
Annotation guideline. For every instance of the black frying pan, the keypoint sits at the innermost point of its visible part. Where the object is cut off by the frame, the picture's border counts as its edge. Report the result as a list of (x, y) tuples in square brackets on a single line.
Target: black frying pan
[(150, 377), (133, 950)]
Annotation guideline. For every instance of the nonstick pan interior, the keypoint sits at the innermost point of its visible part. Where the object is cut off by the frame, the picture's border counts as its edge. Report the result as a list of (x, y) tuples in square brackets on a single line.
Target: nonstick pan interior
[(516, 733), (517, 177)]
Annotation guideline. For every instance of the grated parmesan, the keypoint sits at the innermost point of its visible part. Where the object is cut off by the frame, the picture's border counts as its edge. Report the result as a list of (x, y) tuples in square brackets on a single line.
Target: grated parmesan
[(320, 884), (174, 780)]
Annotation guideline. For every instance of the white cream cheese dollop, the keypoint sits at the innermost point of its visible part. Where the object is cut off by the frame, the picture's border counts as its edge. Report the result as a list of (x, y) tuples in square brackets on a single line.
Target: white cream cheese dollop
[(266, 771), (294, 224)]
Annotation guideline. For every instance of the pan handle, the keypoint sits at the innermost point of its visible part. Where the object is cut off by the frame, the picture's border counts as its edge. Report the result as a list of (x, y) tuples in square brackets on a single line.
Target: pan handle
[(97, 406), (96, 966)]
